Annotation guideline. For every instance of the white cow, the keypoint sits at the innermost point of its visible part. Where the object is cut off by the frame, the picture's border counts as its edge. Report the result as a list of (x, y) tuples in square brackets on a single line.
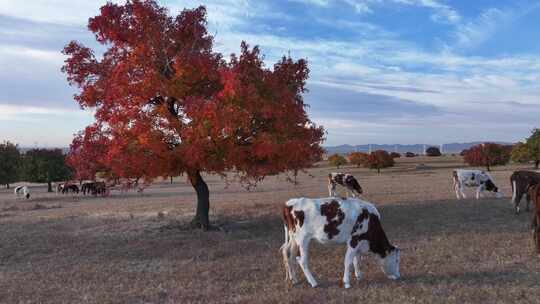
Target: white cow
[(473, 178), (22, 191), (334, 221)]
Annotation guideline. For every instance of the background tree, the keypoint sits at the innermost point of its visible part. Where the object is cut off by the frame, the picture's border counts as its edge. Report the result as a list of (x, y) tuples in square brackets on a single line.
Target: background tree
[(410, 154), (10, 159), (358, 158), (520, 153), (88, 153), (379, 159), (395, 155), (487, 155), (433, 151), (161, 93), (337, 160), (533, 145), (45, 166)]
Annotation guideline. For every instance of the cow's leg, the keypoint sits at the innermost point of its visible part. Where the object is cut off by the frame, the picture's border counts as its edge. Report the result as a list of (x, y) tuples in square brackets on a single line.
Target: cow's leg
[(478, 191), (286, 252), (528, 200), (519, 195), (303, 246), (356, 263), (456, 189), (461, 191), (514, 192), (349, 257), (289, 252), (331, 189)]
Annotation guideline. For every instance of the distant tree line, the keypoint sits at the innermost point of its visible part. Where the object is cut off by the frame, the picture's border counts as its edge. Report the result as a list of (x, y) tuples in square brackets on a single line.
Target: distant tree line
[(492, 154), (35, 165), (375, 160)]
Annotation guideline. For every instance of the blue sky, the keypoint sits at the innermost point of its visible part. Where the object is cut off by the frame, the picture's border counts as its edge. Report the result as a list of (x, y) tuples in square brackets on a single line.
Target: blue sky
[(382, 71)]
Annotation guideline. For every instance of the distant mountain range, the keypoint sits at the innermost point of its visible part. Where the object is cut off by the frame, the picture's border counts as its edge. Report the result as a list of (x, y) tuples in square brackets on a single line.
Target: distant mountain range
[(415, 148), (345, 149)]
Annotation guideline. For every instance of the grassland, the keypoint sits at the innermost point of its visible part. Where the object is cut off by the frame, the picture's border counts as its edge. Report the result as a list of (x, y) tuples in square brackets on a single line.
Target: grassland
[(136, 248)]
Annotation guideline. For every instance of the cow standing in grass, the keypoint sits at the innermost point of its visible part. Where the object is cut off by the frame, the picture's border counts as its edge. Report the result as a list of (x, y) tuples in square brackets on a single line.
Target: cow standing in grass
[(336, 221), (22, 191), (473, 178), (67, 188), (534, 194), (347, 181), (521, 182)]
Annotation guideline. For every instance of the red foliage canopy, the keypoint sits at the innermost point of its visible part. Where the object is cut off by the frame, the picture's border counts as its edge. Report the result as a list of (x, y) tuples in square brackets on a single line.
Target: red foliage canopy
[(487, 154), (167, 103), (379, 159)]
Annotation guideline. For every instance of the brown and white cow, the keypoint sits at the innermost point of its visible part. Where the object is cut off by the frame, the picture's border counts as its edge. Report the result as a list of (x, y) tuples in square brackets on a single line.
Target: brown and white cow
[(534, 194), (521, 182), (347, 181), (335, 221), (473, 178)]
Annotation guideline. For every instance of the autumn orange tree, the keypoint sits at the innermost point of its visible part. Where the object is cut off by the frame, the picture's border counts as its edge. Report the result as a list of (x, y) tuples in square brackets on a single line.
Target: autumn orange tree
[(337, 160), (358, 158), (379, 159), (168, 104)]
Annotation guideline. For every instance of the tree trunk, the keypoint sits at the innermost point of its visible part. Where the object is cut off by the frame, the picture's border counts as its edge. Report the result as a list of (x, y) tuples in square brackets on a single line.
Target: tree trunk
[(7, 186), (378, 170), (536, 163), (203, 200), (171, 179), (49, 186), (487, 167)]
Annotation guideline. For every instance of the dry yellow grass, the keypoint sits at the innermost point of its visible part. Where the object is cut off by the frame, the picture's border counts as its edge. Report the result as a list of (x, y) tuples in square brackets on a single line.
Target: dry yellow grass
[(132, 248)]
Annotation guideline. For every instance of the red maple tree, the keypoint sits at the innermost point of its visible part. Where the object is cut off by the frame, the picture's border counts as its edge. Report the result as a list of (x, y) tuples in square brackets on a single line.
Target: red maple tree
[(487, 154), (168, 104)]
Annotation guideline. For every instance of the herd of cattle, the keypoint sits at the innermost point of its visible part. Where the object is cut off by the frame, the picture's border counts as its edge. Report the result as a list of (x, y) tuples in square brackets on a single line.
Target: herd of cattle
[(86, 188), (355, 222)]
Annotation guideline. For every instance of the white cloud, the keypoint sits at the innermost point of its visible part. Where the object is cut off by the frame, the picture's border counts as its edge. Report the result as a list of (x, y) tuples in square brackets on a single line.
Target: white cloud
[(474, 33), (74, 12), (22, 112)]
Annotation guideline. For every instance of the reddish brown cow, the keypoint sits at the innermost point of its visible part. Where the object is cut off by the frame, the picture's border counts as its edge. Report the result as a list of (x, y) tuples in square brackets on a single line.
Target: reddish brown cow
[(534, 194)]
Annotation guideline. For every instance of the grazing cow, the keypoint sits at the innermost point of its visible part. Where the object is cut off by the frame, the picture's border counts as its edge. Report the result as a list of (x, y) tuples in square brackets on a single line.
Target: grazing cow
[(473, 178), (521, 182), (345, 180), (59, 187), (534, 194), (70, 188), (22, 191), (335, 221)]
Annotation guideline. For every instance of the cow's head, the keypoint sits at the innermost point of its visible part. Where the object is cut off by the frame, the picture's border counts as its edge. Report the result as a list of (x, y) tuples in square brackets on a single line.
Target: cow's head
[(390, 263), (490, 186), (352, 182)]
